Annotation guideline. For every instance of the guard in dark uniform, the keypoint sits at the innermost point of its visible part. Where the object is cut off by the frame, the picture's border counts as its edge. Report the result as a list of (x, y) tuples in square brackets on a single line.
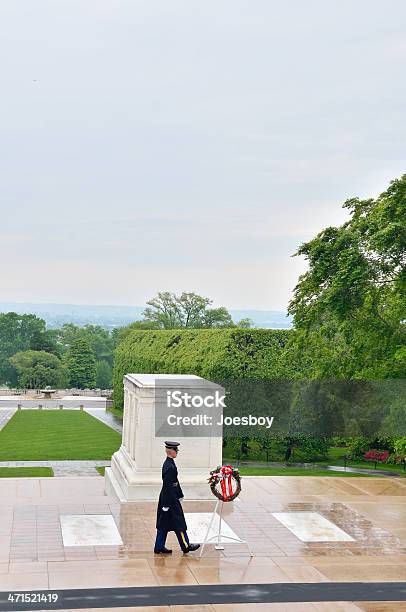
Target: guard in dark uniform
[(170, 515)]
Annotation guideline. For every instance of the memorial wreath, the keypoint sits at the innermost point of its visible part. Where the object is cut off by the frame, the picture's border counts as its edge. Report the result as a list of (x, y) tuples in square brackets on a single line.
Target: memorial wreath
[(229, 480)]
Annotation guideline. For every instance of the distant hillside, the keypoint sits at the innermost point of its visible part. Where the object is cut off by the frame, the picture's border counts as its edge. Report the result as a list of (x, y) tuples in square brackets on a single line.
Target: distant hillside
[(110, 317)]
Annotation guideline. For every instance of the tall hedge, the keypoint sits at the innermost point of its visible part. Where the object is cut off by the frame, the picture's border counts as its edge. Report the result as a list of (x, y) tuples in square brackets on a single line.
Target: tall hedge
[(216, 354)]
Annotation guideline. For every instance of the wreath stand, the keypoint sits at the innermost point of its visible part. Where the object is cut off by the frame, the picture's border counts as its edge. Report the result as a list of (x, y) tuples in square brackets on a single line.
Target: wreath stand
[(218, 537)]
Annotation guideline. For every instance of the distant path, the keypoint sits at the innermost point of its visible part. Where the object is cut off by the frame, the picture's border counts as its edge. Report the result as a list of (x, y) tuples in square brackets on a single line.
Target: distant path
[(106, 417), (317, 466)]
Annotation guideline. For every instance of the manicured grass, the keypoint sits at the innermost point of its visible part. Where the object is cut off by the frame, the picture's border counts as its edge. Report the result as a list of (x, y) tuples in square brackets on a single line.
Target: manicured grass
[(26, 472), (385, 467), (291, 471), (35, 435), (335, 458), (368, 465), (336, 453)]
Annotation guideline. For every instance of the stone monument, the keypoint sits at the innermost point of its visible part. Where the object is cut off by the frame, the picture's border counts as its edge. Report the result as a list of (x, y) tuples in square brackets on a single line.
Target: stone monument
[(135, 472)]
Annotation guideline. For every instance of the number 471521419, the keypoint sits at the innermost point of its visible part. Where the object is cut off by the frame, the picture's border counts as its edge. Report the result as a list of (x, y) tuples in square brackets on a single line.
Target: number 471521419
[(33, 597)]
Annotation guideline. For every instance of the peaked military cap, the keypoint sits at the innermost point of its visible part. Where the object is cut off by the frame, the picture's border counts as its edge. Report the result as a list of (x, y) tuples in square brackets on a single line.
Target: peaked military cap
[(171, 445)]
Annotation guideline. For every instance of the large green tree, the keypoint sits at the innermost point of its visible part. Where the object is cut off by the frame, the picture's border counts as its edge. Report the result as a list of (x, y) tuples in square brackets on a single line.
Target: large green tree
[(81, 364), (187, 310), (21, 333), (37, 369), (104, 375), (349, 308), (100, 339)]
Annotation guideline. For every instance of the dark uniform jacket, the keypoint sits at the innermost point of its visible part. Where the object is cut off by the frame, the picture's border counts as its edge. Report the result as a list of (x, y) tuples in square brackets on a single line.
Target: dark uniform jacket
[(173, 519)]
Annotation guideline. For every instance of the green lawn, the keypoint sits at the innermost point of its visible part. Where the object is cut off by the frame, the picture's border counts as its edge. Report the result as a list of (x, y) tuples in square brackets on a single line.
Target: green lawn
[(101, 470), (291, 471), (26, 472), (35, 435), (336, 453), (335, 457)]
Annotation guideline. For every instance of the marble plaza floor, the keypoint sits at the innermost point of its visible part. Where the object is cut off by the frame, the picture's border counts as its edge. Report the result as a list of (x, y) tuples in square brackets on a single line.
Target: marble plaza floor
[(300, 529)]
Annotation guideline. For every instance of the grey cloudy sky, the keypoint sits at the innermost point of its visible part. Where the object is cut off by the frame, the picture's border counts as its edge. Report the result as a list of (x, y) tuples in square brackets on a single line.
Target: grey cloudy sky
[(184, 145)]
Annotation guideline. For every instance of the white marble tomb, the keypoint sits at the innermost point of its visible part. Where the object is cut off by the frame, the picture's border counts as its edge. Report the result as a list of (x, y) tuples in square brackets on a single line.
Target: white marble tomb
[(135, 472)]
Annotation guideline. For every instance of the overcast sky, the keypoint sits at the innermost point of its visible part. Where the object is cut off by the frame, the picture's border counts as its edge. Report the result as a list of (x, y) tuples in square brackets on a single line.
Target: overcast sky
[(184, 145)]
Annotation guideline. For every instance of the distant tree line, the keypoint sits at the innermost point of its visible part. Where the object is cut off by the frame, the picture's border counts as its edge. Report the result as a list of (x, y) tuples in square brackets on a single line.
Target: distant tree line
[(32, 356)]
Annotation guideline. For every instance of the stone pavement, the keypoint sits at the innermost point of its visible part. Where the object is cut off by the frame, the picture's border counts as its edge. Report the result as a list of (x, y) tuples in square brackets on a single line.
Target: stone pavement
[(371, 510)]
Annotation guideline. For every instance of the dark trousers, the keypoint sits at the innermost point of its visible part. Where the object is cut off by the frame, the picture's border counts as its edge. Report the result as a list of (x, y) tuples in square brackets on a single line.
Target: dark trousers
[(161, 539)]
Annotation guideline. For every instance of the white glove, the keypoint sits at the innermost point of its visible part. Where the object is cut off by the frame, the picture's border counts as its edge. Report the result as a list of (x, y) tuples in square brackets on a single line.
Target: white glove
[(165, 509)]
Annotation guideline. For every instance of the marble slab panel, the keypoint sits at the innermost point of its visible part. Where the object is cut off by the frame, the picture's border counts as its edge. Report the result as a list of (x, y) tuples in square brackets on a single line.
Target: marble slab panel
[(312, 527), (90, 530), (198, 524)]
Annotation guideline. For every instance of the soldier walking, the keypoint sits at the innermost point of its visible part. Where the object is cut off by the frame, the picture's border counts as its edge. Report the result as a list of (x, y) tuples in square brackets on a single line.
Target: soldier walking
[(170, 515)]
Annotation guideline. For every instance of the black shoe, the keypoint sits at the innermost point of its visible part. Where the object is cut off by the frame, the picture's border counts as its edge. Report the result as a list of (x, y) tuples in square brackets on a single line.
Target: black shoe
[(164, 551), (191, 548)]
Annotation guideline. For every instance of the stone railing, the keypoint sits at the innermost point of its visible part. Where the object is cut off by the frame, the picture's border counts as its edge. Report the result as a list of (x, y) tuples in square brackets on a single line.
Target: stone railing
[(22, 402), (59, 392)]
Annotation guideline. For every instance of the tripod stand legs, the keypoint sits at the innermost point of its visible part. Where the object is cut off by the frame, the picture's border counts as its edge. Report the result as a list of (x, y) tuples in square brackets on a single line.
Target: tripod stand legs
[(208, 529), (218, 538), (219, 546)]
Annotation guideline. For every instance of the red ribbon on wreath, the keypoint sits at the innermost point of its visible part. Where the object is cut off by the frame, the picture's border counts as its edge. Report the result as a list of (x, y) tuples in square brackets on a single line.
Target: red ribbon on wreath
[(225, 475), (226, 479)]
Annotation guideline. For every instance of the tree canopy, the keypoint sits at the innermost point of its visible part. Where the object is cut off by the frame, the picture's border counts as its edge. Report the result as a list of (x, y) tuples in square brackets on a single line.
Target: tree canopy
[(187, 310), (104, 375), (38, 369), (21, 332), (99, 338), (81, 364), (349, 308)]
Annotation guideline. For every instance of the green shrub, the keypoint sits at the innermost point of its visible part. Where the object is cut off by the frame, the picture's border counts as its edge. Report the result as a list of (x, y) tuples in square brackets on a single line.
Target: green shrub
[(216, 354), (303, 448), (358, 446), (394, 459), (400, 451), (338, 441), (400, 447), (384, 443), (313, 449)]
